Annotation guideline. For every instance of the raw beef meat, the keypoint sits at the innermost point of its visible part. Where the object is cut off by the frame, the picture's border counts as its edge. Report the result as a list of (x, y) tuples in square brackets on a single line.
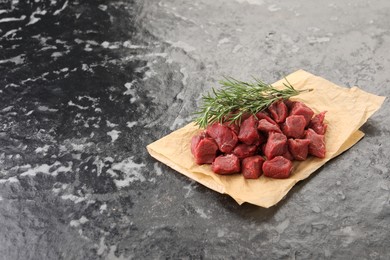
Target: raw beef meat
[(265, 143), (225, 138), (294, 126), (204, 149), (317, 123), (299, 148), (278, 111), (265, 126), (317, 143), (299, 108), (195, 141), (248, 131), (289, 103), (264, 115), (233, 126), (226, 164), (244, 150), (276, 145), (251, 167), (288, 155), (279, 168)]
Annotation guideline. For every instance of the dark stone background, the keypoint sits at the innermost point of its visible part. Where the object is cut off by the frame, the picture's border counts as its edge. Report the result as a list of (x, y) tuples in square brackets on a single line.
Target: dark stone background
[(86, 85)]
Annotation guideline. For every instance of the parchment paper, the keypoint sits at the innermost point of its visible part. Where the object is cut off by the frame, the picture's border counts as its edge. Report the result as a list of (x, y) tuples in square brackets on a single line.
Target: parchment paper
[(348, 109)]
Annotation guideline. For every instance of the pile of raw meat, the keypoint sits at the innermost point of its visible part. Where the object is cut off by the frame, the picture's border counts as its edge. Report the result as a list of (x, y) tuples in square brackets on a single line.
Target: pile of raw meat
[(266, 143)]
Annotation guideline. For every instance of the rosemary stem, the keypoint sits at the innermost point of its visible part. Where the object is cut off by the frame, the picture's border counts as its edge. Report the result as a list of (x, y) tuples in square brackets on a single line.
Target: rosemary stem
[(235, 98)]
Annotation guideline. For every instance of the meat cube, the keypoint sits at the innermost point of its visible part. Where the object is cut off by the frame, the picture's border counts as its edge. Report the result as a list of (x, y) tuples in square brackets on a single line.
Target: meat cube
[(233, 126), (288, 155), (225, 138), (279, 168), (226, 164), (288, 103), (298, 148), (204, 149), (195, 141), (264, 115), (317, 143), (294, 126), (243, 150), (317, 123), (278, 111), (251, 167), (276, 145), (248, 131), (299, 108), (265, 126)]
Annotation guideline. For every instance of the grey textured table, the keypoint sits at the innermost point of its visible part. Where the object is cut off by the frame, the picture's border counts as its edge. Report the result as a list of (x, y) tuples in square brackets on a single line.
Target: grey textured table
[(86, 85)]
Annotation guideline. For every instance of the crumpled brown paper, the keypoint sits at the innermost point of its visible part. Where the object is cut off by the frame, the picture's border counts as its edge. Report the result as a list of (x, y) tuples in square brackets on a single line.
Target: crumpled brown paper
[(348, 109)]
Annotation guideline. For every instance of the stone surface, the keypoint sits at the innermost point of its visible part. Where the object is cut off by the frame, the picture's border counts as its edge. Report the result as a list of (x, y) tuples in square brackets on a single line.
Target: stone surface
[(86, 85)]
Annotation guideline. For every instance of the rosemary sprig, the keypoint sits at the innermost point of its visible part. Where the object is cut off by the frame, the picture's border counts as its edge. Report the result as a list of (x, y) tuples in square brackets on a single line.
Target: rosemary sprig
[(236, 98)]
